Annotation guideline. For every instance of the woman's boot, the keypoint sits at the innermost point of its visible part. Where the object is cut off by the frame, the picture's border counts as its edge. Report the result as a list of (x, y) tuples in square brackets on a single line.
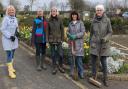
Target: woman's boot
[(43, 66), (38, 63), (105, 80), (54, 71), (10, 70), (13, 67)]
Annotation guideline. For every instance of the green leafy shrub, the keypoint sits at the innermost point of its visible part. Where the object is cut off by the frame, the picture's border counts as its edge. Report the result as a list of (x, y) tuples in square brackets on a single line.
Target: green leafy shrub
[(25, 33), (87, 24), (116, 21), (66, 22), (123, 69), (119, 25), (26, 20)]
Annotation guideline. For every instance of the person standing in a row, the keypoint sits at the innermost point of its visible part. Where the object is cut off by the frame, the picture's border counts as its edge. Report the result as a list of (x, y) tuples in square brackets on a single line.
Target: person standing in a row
[(100, 33), (9, 31), (39, 39), (75, 33), (55, 36)]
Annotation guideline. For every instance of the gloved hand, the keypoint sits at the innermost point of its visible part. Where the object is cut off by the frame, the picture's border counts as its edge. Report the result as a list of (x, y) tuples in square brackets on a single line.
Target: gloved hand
[(103, 40), (68, 35), (12, 38), (73, 37)]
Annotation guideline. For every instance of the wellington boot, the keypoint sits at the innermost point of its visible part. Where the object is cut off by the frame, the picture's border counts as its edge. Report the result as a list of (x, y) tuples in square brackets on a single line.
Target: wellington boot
[(13, 67), (12, 75), (38, 63), (43, 66)]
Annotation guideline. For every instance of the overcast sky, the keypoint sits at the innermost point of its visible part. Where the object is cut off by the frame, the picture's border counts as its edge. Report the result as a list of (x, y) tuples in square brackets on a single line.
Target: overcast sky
[(36, 3), (40, 3)]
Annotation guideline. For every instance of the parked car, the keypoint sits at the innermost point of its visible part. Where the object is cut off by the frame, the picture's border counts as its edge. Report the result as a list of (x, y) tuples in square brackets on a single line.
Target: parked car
[(113, 14), (125, 15)]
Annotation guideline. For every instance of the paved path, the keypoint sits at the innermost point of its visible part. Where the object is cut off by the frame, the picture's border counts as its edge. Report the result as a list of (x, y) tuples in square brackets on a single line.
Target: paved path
[(112, 84), (122, 40), (28, 77)]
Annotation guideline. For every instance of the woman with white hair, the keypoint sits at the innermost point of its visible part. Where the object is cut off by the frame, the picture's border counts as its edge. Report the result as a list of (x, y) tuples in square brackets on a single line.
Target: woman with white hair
[(39, 39), (100, 33), (9, 31), (55, 36)]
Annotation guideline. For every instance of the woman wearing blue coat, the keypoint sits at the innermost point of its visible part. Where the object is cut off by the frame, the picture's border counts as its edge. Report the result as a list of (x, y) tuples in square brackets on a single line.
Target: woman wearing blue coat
[(39, 39), (9, 31)]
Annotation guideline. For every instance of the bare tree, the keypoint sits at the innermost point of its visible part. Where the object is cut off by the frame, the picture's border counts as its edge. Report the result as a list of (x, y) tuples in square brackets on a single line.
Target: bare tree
[(78, 5), (67, 5), (26, 8), (114, 4), (61, 5), (125, 4), (45, 8), (52, 4), (15, 3), (31, 3), (1, 7)]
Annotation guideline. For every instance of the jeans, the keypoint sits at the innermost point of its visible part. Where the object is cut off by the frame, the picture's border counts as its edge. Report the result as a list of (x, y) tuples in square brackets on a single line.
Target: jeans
[(103, 62), (78, 63), (10, 55), (57, 54), (40, 49)]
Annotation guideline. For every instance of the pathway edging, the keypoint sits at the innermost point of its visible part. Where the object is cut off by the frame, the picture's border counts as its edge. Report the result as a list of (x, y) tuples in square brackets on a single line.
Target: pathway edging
[(119, 77)]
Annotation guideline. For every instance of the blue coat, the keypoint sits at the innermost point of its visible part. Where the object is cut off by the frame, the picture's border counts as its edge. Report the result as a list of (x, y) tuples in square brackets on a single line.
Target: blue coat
[(39, 30)]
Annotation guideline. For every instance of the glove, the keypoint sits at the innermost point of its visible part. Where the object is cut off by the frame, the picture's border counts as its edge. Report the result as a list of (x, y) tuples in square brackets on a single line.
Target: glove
[(103, 40), (12, 38), (73, 37), (68, 35)]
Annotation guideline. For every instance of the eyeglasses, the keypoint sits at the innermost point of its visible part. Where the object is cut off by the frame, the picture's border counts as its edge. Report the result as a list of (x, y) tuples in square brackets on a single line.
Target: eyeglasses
[(99, 10)]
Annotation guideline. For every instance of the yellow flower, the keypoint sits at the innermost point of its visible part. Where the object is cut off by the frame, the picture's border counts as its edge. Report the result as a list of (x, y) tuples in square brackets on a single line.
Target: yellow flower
[(86, 46)]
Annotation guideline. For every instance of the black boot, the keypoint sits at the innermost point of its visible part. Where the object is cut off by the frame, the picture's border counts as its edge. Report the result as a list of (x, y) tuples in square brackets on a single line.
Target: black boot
[(105, 83), (61, 69), (105, 80), (38, 63), (54, 71), (43, 66), (60, 65), (104, 66), (81, 76)]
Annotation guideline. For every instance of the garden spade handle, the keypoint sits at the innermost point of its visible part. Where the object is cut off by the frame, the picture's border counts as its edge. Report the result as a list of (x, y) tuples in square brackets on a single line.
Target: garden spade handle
[(73, 47), (75, 76), (98, 61)]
